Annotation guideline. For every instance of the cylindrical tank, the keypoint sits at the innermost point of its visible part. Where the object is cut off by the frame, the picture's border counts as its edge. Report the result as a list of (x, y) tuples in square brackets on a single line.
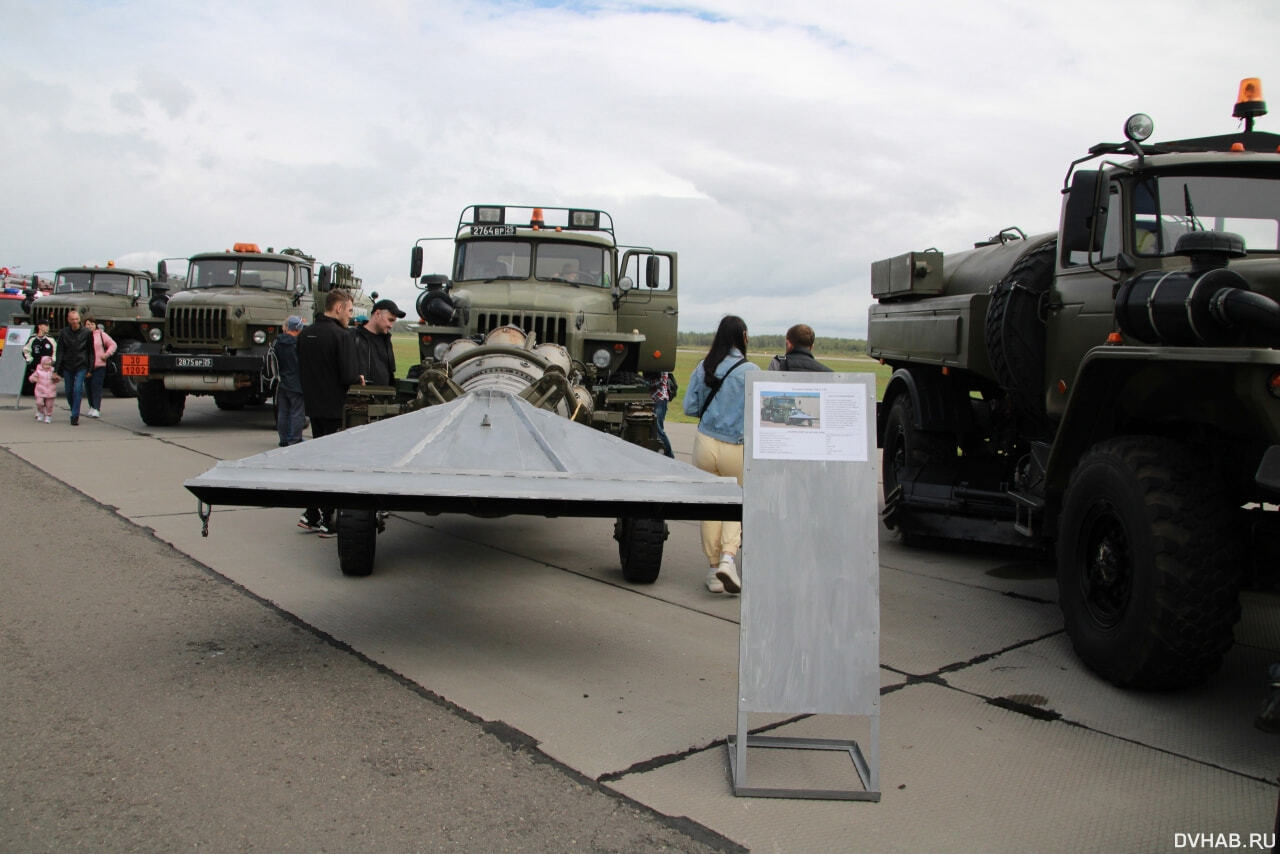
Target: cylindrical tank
[(976, 271)]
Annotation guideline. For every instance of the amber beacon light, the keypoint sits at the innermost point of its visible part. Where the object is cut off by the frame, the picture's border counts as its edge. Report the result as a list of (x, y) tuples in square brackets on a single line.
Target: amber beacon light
[(1249, 103)]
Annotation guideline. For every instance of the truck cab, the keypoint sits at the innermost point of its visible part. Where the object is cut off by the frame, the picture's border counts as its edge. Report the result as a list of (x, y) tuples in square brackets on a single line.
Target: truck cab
[(218, 331), (558, 275), (128, 305)]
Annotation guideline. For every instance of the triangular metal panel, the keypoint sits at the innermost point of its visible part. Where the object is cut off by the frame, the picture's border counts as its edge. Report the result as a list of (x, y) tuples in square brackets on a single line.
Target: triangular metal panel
[(484, 453)]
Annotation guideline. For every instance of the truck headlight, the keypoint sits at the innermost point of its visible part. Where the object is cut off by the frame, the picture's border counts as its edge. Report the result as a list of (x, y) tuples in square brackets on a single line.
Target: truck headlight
[(601, 358), (259, 336), (155, 333)]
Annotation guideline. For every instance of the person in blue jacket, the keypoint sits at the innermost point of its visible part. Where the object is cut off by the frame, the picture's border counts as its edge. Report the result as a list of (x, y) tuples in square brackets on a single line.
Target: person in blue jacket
[(717, 396)]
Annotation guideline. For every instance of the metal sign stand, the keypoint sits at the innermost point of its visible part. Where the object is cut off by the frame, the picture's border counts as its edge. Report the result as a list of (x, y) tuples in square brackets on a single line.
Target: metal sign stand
[(809, 640), (13, 368)]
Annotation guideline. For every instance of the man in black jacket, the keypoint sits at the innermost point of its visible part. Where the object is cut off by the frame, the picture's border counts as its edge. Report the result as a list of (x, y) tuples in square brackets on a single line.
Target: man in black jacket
[(75, 355), (327, 366), (374, 356), (799, 355)]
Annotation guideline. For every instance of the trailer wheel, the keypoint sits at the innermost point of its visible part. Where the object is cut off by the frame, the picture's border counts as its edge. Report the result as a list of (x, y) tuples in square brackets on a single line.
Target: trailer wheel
[(1148, 563), (640, 548), (158, 406), (121, 385), (1015, 331), (357, 541)]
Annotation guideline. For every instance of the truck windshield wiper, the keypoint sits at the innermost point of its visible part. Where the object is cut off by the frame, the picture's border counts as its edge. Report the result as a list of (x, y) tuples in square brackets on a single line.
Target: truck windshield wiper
[(1190, 211)]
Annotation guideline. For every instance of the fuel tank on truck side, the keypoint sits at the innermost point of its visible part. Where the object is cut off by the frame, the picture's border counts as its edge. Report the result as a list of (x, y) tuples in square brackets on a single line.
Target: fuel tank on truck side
[(932, 307)]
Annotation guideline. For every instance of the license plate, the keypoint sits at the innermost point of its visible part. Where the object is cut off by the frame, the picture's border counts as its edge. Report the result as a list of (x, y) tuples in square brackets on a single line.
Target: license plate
[(493, 230), (194, 362)]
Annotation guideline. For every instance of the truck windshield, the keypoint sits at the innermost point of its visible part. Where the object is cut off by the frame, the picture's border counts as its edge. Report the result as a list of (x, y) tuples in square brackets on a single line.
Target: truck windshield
[(83, 281), (571, 262), (1168, 206), (484, 260), (551, 261), (228, 272)]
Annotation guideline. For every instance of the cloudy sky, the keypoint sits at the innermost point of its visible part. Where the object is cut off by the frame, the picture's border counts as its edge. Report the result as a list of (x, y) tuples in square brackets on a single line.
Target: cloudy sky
[(780, 148)]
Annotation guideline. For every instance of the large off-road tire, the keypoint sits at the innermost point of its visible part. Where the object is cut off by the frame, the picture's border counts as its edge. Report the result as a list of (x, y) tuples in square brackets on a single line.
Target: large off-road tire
[(357, 541), (232, 400), (1149, 563), (158, 406), (906, 447), (120, 385), (640, 548), (1015, 331)]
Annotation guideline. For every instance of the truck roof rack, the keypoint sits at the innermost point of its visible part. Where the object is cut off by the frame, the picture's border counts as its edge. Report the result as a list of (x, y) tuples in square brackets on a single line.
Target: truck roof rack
[(502, 220), (1259, 141)]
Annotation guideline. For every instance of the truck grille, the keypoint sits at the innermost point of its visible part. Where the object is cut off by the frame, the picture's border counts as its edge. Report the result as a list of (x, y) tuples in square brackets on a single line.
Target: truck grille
[(55, 316), (548, 328), (197, 325)]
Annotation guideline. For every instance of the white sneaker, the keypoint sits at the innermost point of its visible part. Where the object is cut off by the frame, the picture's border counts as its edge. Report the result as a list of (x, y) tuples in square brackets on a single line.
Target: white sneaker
[(39, 417), (728, 574), (93, 413), (713, 583), (48, 419)]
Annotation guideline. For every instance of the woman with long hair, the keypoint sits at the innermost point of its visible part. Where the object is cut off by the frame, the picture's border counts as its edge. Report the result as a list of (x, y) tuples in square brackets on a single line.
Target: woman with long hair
[(717, 395)]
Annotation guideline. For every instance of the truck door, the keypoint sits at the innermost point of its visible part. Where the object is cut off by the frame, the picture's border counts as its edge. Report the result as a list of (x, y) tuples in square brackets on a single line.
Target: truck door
[(1081, 308), (651, 306)]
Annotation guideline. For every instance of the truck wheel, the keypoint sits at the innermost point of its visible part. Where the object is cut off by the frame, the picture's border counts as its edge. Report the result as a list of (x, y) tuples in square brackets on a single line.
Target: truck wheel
[(640, 548), (357, 541), (1015, 331), (122, 386), (1148, 563), (232, 400), (906, 447), (158, 406)]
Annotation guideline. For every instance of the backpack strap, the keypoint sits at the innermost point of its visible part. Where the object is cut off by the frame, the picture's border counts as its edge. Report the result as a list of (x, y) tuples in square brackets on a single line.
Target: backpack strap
[(715, 388)]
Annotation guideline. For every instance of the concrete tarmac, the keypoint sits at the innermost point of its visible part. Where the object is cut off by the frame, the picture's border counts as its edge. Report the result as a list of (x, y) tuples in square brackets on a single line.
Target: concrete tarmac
[(497, 686)]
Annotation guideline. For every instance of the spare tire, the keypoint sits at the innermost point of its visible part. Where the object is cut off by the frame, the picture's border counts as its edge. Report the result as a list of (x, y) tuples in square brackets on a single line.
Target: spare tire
[(1016, 330)]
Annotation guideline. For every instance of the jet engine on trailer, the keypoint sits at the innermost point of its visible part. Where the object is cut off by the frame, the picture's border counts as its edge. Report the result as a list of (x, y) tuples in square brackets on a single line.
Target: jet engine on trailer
[(545, 308)]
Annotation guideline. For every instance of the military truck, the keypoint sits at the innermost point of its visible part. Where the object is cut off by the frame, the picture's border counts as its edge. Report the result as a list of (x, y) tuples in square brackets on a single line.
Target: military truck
[(1111, 389), (541, 304), (218, 331), (128, 304), (777, 408)]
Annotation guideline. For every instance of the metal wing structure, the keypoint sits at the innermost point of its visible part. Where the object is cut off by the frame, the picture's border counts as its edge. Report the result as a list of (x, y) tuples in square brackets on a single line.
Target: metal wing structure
[(486, 454)]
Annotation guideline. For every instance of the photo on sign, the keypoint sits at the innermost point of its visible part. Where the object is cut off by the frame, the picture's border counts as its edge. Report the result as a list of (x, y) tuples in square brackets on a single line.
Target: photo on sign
[(790, 409)]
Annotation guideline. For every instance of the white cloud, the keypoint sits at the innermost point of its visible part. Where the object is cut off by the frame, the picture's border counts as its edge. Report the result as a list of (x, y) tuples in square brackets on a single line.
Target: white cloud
[(779, 149)]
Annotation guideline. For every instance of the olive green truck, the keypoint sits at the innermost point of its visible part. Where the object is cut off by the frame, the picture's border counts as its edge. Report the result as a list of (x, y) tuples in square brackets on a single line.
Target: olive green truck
[(1111, 390)]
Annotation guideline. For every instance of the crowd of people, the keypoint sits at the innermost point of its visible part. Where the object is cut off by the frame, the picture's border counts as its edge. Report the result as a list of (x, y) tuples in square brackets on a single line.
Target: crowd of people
[(317, 363)]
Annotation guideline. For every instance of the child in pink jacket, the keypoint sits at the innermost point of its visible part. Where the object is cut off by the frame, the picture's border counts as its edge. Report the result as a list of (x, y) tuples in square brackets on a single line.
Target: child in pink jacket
[(45, 391)]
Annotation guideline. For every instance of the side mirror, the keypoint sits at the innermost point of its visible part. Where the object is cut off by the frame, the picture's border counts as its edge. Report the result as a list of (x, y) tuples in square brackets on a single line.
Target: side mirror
[(652, 272), (326, 277), (162, 271), (1083, 218), (415, 262)]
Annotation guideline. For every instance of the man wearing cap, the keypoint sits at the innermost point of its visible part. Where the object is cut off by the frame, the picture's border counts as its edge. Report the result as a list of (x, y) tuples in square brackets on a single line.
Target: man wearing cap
[(290, 415), (374, 355)]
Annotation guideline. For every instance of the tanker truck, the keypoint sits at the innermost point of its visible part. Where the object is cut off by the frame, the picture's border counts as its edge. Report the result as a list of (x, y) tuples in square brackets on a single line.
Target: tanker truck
[(217, 332), (1110, 390), (540, 305)]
